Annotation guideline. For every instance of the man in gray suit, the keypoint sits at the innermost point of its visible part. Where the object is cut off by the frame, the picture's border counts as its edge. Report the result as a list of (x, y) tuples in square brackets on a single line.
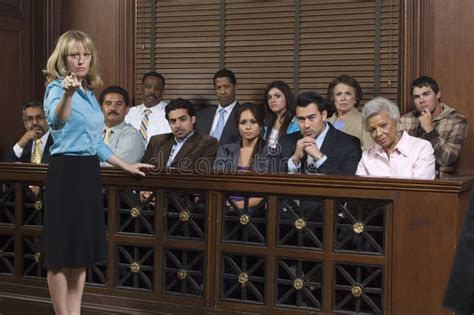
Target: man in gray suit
[(122, 138), (219, 121)]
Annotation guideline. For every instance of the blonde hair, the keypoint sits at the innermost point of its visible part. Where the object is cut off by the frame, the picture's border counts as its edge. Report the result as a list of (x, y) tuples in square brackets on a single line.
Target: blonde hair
[(57, 67)]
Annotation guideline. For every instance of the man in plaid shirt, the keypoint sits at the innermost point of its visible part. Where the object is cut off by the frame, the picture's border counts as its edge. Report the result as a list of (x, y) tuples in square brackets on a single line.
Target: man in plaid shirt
[(436, 122)]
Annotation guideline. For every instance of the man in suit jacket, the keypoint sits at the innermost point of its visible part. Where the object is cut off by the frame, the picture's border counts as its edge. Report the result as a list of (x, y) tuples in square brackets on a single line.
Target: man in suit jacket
[(318, 147), (36, 138), (219, 121), (185, 148)]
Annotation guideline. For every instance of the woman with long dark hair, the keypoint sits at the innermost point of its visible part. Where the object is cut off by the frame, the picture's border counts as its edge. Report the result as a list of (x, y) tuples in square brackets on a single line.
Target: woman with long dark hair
[(279, 108)]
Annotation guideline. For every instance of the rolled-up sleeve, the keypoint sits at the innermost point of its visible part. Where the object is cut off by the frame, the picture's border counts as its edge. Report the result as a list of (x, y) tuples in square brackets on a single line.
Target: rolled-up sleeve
[(53, 94), (103, 151)]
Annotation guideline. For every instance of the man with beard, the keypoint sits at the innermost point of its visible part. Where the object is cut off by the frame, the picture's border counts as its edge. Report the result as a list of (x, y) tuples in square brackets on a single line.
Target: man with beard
[(149, 118), (124, 140), (436, 122), (185, 148), (33, 146)]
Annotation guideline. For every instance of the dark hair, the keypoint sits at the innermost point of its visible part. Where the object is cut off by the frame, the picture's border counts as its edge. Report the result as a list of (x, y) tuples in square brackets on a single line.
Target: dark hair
[(270, 117), (225, 73), (347, 80), (180, 103), (32, 103), (258, 115), (114, 89), (155, 75), (422, 81), (306, 98)]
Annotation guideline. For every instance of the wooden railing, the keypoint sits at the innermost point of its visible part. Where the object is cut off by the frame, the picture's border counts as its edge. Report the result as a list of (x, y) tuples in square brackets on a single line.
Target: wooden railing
[(324, 244)]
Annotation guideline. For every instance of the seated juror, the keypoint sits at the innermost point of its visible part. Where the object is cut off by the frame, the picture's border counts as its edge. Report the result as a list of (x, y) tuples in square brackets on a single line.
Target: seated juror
[(122, 138), (318, 147), (33, 146), (395, 153), (185, 149), (248, 152), (436, 122)]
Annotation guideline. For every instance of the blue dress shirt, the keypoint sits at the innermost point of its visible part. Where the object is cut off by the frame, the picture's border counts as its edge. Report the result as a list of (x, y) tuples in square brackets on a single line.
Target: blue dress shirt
[(80, 133)]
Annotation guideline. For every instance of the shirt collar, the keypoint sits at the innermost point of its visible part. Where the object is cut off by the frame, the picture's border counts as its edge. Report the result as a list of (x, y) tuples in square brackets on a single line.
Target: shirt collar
[(158, 107), (177, 141), (44, 137), (116, 127), (403, 146), (228, 108), (320, 138)]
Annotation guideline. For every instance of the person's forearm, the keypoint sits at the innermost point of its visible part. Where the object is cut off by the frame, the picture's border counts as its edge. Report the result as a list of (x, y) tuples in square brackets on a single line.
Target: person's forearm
[(63, 110), (117, 162)]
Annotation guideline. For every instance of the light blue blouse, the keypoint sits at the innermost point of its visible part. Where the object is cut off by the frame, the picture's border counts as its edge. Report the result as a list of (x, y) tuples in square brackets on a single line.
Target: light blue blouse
[(80, 134), (292, 127)]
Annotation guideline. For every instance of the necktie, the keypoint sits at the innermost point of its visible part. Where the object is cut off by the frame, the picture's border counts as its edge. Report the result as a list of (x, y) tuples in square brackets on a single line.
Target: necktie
[(144, 124), (220, 125), (107, 134), (36, 154)]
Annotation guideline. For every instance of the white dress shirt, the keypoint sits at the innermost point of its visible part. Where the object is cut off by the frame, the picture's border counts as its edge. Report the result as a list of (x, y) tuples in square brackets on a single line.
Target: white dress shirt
[(157, 123), (19, 150), (295, 168), (228, 110)]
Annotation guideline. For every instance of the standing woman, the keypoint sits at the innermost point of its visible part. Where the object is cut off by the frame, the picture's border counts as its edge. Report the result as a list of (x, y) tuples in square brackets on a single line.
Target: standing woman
[(344, 93), (279, 108), (74, 227)]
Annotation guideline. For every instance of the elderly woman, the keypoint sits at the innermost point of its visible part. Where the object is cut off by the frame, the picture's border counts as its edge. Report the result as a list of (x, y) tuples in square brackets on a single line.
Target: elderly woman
[(395, 153), (344, 94)]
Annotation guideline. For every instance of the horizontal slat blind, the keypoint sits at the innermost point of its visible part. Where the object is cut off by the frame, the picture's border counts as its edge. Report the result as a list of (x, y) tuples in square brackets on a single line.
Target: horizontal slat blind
[(259, 44), (339, 37), (142, 42)]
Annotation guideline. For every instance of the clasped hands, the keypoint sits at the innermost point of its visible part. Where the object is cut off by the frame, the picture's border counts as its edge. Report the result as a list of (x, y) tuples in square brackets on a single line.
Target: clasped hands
[(306, 144)]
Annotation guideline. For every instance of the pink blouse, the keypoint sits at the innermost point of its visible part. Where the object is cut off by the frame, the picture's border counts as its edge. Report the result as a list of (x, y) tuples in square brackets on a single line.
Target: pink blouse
[(411, 158)]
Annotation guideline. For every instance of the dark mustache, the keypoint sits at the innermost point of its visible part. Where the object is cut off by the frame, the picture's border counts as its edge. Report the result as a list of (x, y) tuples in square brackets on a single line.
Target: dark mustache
[(113, 112)]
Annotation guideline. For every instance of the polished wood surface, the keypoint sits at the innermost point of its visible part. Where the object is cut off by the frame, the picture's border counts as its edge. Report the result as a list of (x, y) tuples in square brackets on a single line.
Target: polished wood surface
[(422, 220)]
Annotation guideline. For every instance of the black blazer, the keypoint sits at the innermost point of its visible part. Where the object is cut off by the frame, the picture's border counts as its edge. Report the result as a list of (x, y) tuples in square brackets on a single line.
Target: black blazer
[(26, 155), (343, 152), (205, 118), (459, 295)]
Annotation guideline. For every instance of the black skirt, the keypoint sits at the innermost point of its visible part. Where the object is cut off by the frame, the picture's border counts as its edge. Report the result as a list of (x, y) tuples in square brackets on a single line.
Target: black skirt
[(74, 226)]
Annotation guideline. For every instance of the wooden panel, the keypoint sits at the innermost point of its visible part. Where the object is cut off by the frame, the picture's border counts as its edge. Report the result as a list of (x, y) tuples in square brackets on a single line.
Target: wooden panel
[(452, 21), (16, 67), (110, 24), (419, 223)]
